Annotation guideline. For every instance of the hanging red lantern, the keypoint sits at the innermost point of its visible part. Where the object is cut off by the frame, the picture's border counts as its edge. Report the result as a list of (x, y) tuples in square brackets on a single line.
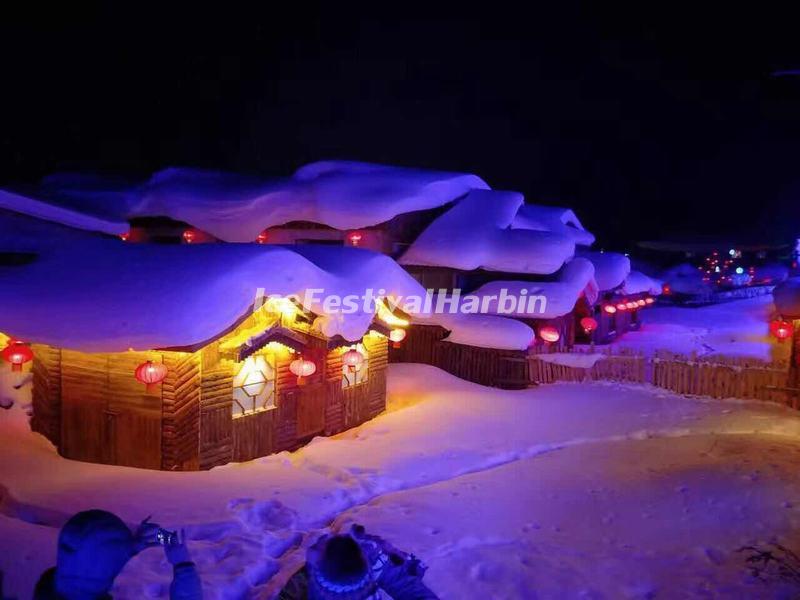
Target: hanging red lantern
[(622, 306), (630, 305), (666, 290), (354, 238), (640, 302), (189, 236), (549, 334), (589, 324), (302, 368), (262, 237), (353, 359), (17, 353), (397, 336), (151, 374), (649, 300), (125, 236), (610, 309), (781, 329)]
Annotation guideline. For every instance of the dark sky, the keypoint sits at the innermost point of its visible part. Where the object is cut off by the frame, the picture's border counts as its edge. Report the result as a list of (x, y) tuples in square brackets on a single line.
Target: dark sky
[(647, 121)]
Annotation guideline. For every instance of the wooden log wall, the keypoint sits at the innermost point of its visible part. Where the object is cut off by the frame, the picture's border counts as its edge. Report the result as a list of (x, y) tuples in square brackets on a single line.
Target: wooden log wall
[(46, 392), (181, 412), (486, 366)]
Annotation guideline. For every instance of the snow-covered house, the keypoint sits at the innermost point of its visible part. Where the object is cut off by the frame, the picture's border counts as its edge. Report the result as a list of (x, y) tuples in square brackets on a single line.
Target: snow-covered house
[(491, 241), (157, 357)]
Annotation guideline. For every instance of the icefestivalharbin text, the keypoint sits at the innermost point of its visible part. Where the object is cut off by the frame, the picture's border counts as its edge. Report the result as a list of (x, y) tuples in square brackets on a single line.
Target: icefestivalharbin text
[(433, 302)]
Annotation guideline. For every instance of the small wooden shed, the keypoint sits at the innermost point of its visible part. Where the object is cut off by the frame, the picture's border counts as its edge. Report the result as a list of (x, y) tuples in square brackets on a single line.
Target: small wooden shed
[(234, 398)]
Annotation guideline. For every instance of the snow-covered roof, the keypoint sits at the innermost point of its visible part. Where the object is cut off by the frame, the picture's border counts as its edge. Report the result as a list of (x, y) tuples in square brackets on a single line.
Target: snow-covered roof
[(560, 296), (236, 208), (87, 292), (48, 211), (342, 195), (638, 283), (476, 233), (552, 218), (787, 298), (610, 268)]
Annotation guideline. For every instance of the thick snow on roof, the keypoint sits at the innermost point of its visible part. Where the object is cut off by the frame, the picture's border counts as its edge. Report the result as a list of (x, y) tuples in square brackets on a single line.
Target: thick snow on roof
[(685, 279), (576, 278), (343, 195), (105, 295), (486, 331), (552, 218), (638, 283), (476, 233), (787, 298), (87, 292), (610, 268), (48, 211)]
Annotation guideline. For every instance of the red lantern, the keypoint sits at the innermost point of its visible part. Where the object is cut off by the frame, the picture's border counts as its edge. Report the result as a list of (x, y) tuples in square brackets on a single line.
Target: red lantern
[(588, 324), (302, 368), (630, 305), (622, 306), (666, 290), (353, 359), (354, 238), (151, 374), (189, 236), (640, 302), (549, 334), (649, 300), (397, 336), (262, 237), (125, 236), (780, 329), (610, 309), (17, 353)]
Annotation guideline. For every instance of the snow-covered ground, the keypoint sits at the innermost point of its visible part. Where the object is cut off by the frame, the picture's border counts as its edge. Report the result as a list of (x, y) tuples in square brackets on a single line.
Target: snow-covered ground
[(570, 490), (737, 328)]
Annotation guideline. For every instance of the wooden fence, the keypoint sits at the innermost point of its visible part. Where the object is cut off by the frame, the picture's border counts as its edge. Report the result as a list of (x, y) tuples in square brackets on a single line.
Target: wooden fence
[(713, 376)]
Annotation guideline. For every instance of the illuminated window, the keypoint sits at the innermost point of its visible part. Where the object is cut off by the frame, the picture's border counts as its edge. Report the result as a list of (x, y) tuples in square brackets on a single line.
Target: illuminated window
[(254, 386), (355, 375)]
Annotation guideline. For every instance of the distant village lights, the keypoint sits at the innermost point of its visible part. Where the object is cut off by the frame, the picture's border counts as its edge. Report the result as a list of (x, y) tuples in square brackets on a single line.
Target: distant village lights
[(262, 237)]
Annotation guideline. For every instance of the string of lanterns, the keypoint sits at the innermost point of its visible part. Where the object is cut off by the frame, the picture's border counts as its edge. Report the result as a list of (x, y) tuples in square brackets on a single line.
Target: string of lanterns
[(625, 304)]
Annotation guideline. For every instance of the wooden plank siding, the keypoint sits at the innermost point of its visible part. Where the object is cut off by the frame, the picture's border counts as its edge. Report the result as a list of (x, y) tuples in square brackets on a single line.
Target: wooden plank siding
[(486, 366), (46, 394), (180, 431)]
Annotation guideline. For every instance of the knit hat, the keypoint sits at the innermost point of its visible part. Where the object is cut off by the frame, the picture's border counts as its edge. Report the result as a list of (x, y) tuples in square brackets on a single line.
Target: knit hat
[(338, 570), (93, 547)]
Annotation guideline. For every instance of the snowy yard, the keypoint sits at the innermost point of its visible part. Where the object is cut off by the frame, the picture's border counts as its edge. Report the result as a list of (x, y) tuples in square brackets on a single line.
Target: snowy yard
[(570, 490), (737, 328)]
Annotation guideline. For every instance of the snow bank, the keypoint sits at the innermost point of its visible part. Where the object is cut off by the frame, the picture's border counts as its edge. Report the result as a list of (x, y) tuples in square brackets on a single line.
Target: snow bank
[(574, 280), (610, 268), (476, 234), (552, 218), (638, 283)]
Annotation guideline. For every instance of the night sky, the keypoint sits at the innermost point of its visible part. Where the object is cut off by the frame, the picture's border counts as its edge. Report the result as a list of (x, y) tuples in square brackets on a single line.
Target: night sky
[(650, 122)]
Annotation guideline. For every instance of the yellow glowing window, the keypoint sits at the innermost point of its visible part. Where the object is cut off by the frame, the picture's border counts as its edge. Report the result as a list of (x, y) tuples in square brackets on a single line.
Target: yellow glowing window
[(356, 374), (254, 386)]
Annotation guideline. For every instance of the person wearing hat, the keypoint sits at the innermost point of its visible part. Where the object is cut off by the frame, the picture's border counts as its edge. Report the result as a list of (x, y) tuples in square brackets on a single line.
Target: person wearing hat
[(356, 566), (93, 548)]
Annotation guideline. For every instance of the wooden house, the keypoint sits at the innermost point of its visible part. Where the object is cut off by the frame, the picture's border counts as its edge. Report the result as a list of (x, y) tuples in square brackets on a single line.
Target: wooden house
[(233, 399)]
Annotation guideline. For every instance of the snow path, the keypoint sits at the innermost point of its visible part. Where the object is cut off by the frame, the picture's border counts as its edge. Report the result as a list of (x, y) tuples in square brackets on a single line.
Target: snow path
[(249, 523)]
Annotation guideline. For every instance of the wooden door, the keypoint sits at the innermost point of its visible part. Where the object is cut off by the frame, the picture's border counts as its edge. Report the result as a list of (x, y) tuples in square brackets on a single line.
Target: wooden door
[(84, 420), (311, 410)]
